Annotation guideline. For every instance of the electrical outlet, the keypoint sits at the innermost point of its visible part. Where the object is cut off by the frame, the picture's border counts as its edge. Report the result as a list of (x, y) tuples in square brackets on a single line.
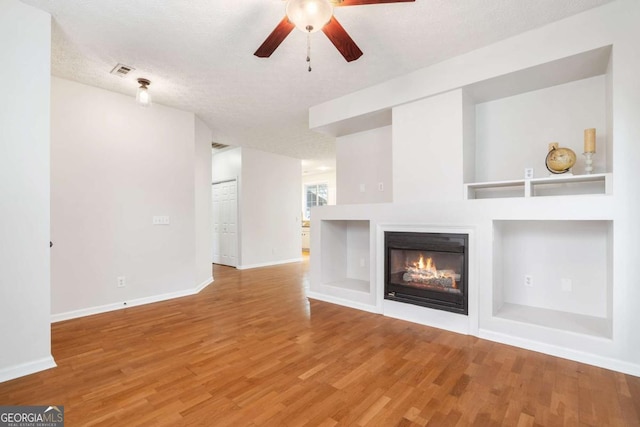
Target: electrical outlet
[(528, 173), (528, 281), (380, 186), (566, 285), (122, 282)]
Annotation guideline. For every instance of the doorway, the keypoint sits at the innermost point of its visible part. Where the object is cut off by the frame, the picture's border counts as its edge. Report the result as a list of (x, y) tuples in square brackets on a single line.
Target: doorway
[(225, 222)]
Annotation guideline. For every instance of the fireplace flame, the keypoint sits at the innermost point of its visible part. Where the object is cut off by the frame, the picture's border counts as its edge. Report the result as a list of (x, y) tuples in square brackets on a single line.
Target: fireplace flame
[(424, 270), (429, 266)]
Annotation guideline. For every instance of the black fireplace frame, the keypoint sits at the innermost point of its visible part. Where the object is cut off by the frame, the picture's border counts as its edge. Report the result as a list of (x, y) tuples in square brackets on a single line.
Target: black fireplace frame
[(437, 242)]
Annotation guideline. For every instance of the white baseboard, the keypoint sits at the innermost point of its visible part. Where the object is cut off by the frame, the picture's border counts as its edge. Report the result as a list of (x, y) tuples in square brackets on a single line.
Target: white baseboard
[(126, 304), (269, 264), (28, 368), (340, 301), (203, 285), (565, 353)]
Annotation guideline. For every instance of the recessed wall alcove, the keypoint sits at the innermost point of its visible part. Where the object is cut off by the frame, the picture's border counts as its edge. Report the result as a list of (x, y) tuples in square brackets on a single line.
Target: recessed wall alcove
[(344, 263), (555, 274), (511, 119)]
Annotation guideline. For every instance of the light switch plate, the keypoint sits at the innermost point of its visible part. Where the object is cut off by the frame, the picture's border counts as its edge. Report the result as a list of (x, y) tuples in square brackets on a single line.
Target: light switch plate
[(160, 220)]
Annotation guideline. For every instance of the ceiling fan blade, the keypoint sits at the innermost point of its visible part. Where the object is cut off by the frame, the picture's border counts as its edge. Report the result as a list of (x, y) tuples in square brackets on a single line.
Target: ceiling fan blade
[(361, 2), (341, 40), (276, 37)]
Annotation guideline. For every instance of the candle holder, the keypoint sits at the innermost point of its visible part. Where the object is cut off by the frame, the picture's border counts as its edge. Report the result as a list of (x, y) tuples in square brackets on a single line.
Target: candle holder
[(588, 160)]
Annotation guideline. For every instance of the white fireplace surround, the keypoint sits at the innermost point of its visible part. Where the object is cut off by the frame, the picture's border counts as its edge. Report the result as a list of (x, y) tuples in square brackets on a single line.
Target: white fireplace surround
[(347, 268), (423, 315)]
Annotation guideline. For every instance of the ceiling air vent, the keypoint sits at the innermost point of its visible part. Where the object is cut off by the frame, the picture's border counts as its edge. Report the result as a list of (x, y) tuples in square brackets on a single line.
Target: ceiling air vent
[(121, 70), (218, 146)]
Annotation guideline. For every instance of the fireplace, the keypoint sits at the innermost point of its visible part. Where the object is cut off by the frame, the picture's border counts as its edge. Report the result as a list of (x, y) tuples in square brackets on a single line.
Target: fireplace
[(427, 269)]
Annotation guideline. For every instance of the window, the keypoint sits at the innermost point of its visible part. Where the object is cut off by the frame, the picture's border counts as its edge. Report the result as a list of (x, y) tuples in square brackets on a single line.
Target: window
[(316, 195)]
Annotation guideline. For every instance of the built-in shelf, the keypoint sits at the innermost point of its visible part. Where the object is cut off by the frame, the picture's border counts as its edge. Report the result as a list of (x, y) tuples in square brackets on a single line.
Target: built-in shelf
[(351, 284), (561, 185), (346, 255), (557, 320), (554, 273), (341, 261), (510, 120)]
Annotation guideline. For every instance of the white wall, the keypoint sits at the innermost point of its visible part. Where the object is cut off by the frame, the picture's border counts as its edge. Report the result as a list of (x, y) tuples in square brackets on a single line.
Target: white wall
[(115, 165), (535, 119), (24, 190), (202, 185), (363, 162), (226, 165), (626, 157), (427, 149), (269, 201), (269, 208), (469, 137)]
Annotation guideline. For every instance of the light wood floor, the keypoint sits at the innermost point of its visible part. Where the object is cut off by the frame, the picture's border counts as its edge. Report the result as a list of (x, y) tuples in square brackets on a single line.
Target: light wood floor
[(252, 350)]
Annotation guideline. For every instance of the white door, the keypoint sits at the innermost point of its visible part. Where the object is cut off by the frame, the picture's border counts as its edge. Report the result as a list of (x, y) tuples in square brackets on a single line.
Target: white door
[(225, 220)]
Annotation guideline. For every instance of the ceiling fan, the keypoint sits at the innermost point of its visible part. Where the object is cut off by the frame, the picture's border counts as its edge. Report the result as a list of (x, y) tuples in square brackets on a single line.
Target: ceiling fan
[(315, 15)]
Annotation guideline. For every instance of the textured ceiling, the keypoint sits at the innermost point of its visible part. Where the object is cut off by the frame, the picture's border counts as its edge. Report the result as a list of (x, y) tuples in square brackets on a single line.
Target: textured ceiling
[(199, 55)]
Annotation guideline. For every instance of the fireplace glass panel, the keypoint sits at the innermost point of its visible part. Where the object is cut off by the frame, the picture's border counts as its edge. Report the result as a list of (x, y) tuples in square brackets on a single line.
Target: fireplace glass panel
[(436, 271), (427, 269)]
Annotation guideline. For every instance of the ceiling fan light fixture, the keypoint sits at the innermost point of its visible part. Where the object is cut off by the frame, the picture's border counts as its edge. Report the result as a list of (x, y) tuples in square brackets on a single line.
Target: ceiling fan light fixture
[(309, 15), (143, 97)]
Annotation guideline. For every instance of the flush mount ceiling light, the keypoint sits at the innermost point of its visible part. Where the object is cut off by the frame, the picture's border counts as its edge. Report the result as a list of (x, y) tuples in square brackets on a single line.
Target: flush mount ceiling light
[(143, 97)]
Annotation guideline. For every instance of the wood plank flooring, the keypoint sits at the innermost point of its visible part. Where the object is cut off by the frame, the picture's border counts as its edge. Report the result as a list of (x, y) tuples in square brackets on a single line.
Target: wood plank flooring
[(251, 350)]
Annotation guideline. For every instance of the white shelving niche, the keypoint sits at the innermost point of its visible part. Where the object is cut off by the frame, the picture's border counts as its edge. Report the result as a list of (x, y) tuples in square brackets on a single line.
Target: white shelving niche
[(561, 185), (345, 264), (554, 274), (510, 120)]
